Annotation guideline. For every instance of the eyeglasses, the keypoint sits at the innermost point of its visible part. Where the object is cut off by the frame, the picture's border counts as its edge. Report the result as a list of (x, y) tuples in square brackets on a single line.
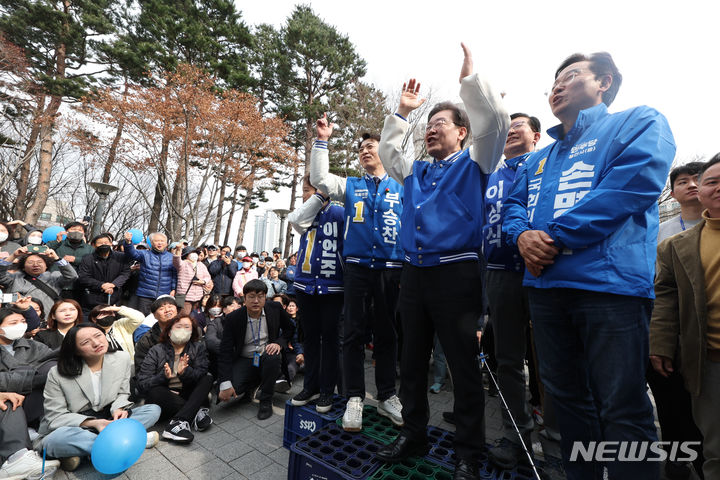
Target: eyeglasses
[(252, 297), (568, 77), (370, 147), (516, 125), (438, 124)]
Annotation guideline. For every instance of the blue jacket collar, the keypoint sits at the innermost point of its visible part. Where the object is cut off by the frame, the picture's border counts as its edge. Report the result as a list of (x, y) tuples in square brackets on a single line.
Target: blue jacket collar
[(585, 118), (515, 162)]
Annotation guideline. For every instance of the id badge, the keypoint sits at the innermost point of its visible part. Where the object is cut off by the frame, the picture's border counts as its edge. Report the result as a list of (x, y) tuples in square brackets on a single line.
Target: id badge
[(256, 359)]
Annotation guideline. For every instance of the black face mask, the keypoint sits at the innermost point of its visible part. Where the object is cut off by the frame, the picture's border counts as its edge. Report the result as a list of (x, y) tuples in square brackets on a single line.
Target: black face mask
[(103, 249), (75, 237), (106, 321)]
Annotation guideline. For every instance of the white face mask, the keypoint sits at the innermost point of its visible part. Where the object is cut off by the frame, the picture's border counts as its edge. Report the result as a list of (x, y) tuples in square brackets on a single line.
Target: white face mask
[(35, 240), (247, 265), (180, 336), (215, 311), (3, 236), (193, 257), (13, 332)]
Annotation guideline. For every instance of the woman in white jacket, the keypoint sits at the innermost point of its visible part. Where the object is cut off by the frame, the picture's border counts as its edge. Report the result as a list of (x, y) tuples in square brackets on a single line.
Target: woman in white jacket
[(88, 389)]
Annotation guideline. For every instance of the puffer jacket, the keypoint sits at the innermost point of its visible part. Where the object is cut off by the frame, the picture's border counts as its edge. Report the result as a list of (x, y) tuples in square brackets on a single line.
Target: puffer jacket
[(157, 272), (16, 281), (152, 373), (222, 276)]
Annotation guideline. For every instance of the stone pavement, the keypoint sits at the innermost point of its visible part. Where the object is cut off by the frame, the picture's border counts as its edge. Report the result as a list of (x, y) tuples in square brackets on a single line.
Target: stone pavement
[(239, 446)]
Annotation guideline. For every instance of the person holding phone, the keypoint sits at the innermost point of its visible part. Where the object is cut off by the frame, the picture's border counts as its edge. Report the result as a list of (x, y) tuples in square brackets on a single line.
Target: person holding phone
[(32, 277)]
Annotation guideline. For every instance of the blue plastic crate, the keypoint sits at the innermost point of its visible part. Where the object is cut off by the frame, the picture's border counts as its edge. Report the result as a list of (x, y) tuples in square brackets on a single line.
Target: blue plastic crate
[(302, 421), (443, 453), (332, 453)]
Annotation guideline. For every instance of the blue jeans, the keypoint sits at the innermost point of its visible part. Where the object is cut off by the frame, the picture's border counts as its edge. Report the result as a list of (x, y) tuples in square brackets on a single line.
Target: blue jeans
[(78, 442), (592, 352)]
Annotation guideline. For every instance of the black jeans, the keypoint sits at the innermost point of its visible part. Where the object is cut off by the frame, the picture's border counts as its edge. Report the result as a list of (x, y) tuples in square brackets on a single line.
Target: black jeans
[(320, 315), (381, 286), (245, 376), (182, 406), (445, 299)]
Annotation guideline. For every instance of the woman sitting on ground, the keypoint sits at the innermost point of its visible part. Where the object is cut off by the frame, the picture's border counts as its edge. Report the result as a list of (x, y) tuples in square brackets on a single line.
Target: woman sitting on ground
[(88, 389), (64, 315), (174, 375), (119, 324)]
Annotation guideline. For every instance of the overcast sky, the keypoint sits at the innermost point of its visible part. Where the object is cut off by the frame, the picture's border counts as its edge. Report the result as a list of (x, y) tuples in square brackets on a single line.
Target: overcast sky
[(666, 51)]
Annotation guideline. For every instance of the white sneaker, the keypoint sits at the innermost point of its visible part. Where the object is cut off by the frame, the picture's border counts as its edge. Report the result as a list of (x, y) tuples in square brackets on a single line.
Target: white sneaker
[(152, 439), (392, 409), (30, 466), (352, 419)]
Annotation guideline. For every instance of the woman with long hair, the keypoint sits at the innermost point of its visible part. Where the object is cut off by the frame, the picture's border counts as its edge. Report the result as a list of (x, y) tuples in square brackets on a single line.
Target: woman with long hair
[(87, 390), (63, 315), (174, 375)]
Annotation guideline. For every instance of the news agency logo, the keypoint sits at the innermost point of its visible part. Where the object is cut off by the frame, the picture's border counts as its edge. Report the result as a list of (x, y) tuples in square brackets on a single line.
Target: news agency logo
[(634, 451)]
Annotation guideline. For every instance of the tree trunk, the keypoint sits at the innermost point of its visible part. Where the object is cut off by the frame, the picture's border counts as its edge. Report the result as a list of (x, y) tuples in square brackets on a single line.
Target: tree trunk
[(45, 167), (218, 220), (24, 174), (112, 155), (177, 199), (159, 187), (233, 204), (244, 216)]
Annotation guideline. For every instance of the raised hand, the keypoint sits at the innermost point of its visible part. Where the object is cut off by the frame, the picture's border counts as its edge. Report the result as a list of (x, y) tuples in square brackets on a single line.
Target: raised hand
[(167, 371), (324, 128), (410, 97), (467, 66)]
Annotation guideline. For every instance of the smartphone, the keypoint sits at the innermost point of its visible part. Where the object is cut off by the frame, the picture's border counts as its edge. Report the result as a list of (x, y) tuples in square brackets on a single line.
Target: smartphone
[(37, 248), (10, 297)]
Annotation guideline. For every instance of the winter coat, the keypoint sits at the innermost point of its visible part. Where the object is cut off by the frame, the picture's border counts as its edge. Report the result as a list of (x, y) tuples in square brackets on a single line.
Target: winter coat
[(186, 272), (152, 373), (95, 270), (19, 372), (157, 272), (17, 282), (77, 250), (222, 276)]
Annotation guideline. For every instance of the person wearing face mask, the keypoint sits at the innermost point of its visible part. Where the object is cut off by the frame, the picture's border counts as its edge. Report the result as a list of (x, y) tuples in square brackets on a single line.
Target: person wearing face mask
[(32, 277), (193, 278), (244, 275), (7, 246), (102, 275), (24, 365), (73, 248), (174, 375), (64, 315), (240, 253), (119, 324)]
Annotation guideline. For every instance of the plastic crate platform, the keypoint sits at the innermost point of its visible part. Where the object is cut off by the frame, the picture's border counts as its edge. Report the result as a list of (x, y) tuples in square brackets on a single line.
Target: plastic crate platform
[(443, 453), (302, 421), (412, 469), (376, 426), (331, 453)]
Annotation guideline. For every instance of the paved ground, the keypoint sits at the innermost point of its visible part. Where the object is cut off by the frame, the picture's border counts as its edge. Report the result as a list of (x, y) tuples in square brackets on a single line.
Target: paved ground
[(239, 446)]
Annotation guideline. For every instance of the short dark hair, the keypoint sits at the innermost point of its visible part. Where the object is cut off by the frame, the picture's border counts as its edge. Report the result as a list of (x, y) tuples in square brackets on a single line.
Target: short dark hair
[(229, 300), (69, 363), (48, 261), (691, 168), (40, 304), (255, 286), (533, 121), (368, 136), (713, 161), (213, 300), (95, 312), (460, 117), (164, 300), (601, 63), (98, 237), (165, 335), (75, 224), (52, 325), (6, 312)]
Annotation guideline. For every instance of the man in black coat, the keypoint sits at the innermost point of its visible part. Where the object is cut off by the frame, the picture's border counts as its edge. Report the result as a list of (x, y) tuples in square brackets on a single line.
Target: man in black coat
[(102, 274), (223, 270), (250, 349)]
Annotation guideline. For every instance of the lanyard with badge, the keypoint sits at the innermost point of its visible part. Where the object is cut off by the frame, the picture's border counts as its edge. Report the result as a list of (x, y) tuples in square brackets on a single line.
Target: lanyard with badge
[(255, 340)]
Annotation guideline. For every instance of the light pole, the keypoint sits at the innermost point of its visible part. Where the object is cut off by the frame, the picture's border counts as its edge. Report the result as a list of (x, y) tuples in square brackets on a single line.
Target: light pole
[(103, 190), (282, 213)]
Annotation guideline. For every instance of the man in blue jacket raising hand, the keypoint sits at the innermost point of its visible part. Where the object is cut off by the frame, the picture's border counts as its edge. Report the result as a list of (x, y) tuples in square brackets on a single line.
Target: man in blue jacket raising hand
[(583, 213)]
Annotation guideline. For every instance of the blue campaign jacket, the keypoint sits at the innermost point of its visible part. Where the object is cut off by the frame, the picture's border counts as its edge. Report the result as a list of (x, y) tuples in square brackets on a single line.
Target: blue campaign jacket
[(500, 255), (442, 221), (372, 222), (157, 273), (595, 193), (319, 260)]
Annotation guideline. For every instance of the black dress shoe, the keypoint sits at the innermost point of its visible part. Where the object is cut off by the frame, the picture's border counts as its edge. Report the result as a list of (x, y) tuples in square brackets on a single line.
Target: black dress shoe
[(265, 410), (466, 470), (401, 449)]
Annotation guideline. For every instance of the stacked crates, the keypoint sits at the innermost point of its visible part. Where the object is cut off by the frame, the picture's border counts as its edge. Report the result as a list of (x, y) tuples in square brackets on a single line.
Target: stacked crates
[(302, 421)]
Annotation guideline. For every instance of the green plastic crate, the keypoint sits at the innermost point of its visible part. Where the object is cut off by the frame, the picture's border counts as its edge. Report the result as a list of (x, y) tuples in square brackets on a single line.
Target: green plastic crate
[(376, 426), (412, 469)]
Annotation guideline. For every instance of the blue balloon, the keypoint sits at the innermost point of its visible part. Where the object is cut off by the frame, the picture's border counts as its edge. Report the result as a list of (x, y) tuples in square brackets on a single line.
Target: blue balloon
[(50, 233), (137, 235), (118, 446)]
